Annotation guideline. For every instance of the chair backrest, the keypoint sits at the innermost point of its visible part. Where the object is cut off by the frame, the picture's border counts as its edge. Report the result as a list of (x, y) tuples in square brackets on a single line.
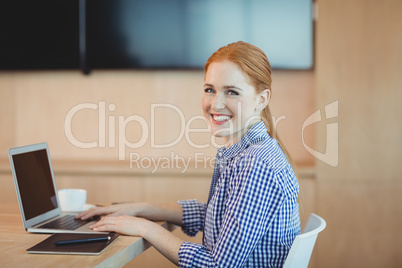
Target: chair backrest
[(302, 247)]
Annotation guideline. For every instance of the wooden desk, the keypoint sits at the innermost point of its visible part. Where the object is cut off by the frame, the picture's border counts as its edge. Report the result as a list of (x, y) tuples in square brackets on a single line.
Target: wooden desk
[(14, 241)]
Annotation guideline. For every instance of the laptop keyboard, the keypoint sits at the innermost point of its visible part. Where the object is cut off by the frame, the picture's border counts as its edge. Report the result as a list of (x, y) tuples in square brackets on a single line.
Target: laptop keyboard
[(67, 222)]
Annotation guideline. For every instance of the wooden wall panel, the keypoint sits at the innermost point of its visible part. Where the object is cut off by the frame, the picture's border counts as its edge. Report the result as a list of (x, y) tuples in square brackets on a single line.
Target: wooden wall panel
[(364, 222), (35, 106), (7, 187), (7, 114), (359, 64), (105, 190)]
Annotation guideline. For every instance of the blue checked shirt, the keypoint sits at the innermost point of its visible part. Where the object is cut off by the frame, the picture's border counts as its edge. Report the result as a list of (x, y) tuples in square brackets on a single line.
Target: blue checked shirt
[(252, 215)]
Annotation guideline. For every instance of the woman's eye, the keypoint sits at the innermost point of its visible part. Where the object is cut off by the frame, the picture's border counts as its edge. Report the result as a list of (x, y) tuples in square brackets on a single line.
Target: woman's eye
[(208, 90), (232, 92)]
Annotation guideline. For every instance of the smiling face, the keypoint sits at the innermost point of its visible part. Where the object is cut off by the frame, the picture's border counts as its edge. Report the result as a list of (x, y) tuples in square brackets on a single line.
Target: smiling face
[(230, 104)]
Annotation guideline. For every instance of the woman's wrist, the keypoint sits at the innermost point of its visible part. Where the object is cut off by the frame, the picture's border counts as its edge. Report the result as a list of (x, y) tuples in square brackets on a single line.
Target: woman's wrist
[(159, 212), (163, 240), (147, 228)]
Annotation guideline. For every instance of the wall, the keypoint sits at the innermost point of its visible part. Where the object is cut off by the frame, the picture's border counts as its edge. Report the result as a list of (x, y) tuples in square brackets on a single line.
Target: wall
[(35, 106), (359, 64)]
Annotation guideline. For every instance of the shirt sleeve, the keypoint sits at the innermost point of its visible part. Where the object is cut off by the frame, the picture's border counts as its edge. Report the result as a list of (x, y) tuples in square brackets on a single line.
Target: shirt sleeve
[(193, 216), (253, 202)]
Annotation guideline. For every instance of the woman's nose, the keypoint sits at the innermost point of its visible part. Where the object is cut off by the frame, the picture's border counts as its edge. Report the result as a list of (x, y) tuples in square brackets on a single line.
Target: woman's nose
[(218, 102)]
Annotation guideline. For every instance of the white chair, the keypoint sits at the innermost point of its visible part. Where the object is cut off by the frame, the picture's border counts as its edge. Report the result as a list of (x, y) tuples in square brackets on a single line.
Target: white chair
[(302, 247)]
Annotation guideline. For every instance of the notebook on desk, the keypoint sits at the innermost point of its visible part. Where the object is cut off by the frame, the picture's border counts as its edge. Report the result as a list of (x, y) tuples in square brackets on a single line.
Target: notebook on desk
[(49, 245), (37, 193)]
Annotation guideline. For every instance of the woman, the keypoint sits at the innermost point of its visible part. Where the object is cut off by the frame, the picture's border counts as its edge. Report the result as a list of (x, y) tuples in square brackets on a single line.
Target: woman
[(251, 217)]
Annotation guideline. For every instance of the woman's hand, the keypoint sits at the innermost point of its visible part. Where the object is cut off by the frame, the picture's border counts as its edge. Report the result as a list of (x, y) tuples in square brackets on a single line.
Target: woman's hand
[(164, 241), (127, 225), (114, 210)]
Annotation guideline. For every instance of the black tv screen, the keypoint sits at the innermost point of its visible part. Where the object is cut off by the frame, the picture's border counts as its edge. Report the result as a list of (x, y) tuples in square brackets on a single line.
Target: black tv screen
[(150, 34), (40, 34)]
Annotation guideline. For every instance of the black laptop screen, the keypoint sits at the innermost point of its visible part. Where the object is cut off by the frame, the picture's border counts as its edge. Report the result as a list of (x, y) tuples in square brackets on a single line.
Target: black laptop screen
[(35, 183)]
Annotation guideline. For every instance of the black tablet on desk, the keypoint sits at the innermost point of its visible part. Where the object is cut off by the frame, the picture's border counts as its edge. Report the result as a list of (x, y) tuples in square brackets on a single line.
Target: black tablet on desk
[(77, 244)]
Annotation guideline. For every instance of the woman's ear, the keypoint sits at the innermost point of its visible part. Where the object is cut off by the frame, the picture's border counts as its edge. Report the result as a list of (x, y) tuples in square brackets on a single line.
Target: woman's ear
[(264, 97)]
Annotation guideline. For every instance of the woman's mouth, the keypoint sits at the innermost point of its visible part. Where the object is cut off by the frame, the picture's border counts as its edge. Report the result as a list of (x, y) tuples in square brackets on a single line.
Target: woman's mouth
[(220, 119)]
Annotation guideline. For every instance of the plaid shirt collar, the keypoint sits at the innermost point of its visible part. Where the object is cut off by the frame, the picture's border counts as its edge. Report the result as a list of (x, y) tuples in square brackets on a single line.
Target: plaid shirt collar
[(254, 135)]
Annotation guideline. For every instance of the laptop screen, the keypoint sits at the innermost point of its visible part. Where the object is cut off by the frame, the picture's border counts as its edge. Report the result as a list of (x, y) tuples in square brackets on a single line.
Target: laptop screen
[(35, 183)]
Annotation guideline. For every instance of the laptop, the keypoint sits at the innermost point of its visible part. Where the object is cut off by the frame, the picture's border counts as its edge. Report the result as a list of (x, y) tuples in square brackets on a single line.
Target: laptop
[(37, 193)]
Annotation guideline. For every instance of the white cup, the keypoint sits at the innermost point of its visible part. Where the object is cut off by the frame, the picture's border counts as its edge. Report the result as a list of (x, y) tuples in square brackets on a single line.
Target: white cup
[(72, 199)]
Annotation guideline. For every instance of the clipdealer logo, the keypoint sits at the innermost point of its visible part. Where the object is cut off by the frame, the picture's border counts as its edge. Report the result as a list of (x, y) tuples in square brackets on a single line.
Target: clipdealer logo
[(107, 124), (330, 156)]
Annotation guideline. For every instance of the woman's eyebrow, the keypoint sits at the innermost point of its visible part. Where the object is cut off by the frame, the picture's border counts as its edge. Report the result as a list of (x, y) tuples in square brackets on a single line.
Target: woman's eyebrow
[(208, 85), (225, 87), (232, 87)]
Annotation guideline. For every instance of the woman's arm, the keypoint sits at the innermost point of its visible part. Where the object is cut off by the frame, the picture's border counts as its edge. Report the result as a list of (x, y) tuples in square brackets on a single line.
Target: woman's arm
[(170, 212), (156, 212), (188, 213)]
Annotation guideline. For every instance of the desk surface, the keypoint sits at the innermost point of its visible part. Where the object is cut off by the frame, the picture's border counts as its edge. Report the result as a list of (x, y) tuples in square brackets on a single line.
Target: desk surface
[(14, 241)]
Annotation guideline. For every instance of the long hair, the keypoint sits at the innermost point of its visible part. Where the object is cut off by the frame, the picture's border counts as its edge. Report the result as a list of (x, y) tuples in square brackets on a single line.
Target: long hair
[(255, 64)]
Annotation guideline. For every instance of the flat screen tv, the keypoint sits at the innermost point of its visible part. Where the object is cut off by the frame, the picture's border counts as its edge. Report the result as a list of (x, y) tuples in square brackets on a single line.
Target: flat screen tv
[(150, 34)]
